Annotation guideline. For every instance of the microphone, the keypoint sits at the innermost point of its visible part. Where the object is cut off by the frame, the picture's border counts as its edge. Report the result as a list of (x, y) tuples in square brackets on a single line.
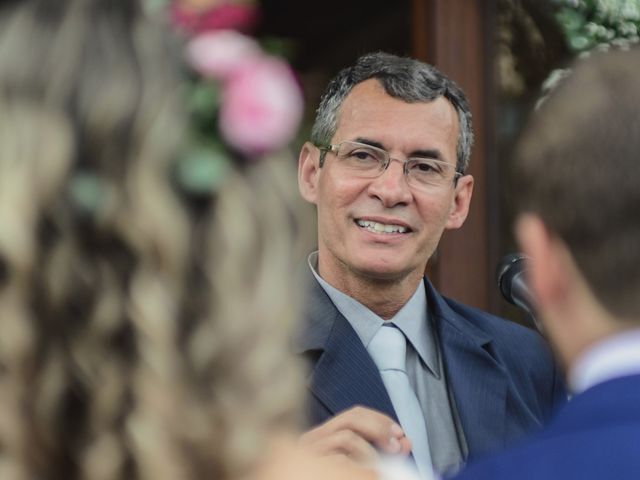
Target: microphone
[(512, 282)]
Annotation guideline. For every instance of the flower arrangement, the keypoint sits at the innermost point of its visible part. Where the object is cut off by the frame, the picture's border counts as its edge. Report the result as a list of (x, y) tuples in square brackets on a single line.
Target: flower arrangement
[(589, 24), (198, 16), (244, 103)]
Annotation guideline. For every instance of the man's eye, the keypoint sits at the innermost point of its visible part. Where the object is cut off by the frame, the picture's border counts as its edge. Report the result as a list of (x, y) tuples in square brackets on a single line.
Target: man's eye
[(363, 155), (426, 167)]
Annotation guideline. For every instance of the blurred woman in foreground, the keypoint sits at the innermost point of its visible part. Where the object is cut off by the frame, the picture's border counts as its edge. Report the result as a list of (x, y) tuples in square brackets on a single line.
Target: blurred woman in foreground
[(143, 327)]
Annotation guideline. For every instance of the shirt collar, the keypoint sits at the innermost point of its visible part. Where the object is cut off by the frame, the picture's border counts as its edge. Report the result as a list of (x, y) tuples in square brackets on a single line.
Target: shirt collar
[(411, 319), (616, 356)]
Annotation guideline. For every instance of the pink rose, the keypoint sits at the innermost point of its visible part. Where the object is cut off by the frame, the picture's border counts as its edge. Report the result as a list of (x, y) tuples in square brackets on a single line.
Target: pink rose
[(237, 17), (262, 107), (219, 54)]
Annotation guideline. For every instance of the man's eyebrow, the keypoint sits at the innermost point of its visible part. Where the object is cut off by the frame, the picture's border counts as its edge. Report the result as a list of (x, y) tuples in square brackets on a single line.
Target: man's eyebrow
[(429, 153), (423, 153), (433, 153), (367, 141)]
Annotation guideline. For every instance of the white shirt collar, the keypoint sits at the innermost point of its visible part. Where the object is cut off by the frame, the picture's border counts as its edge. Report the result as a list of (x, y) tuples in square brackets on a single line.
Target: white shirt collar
[(616, 356)]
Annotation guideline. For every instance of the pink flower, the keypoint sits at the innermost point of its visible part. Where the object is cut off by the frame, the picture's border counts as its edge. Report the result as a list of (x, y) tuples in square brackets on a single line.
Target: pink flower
[(228, 16), (261, 107), (219, 54)]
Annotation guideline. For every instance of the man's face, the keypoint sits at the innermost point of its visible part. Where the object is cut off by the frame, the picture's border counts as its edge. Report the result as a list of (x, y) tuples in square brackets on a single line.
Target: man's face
[(346, 245)]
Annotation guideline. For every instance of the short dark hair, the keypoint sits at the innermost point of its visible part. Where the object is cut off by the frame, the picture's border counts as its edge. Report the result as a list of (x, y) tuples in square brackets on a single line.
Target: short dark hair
[(577, 166), (404, 78)]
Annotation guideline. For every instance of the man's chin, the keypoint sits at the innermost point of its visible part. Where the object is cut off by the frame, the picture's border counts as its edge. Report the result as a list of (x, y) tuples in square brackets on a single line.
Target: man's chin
[(382, 272)]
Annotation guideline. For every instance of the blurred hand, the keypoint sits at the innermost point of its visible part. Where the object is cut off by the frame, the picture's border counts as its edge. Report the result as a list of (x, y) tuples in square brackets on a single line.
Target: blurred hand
[(287, 460), (357, 434)]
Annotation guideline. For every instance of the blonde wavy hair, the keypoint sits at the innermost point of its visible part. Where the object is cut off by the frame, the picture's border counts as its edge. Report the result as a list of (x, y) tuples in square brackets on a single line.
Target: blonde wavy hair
[(143, 333)]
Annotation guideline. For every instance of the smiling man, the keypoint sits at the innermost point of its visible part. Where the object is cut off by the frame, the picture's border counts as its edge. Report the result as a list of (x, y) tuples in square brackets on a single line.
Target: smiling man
[(386, 170)]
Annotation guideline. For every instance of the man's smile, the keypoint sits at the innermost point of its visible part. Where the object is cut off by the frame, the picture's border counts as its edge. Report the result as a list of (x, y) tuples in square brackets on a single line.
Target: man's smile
[(379, 227)]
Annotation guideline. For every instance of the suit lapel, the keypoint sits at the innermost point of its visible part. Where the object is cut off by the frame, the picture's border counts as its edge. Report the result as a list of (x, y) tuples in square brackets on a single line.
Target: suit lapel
[(344, 375), (478, 383)]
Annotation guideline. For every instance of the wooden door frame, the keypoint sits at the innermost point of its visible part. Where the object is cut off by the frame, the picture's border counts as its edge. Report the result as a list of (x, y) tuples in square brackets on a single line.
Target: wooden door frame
[(457, 37)]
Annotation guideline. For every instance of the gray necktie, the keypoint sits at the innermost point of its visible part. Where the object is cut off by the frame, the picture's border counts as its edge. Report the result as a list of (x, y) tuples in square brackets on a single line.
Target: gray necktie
[(388, 350)]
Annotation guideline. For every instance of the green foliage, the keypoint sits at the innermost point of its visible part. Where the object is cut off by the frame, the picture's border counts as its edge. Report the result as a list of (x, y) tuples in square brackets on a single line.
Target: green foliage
[(279, 47), (589, 24), (155, 5), (203, 169)]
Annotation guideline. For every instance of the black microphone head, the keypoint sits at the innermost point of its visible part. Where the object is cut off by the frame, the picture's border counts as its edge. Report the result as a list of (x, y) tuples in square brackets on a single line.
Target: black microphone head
[(510, 275), (510, 266)]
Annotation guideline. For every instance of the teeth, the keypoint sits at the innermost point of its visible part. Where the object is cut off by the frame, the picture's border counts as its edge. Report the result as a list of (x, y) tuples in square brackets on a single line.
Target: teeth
[(381, 227)]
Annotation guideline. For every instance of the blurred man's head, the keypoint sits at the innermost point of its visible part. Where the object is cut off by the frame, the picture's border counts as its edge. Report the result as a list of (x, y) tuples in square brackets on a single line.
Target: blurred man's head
[(576, 184)]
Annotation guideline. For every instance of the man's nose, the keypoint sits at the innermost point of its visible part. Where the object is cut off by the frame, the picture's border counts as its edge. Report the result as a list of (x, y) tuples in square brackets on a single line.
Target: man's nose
[(391, 186)]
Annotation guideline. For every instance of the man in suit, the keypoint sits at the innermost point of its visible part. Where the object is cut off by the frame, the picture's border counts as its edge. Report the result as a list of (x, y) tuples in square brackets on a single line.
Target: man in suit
[(576, 179), (385, 168)]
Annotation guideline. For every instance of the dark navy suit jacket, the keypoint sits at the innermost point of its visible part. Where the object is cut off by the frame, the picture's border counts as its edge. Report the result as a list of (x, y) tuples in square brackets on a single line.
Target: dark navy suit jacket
[(595, 436), (501, 376)]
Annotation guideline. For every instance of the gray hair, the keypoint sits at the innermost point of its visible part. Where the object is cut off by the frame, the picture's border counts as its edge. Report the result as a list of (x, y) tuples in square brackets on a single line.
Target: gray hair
[(404, 78)]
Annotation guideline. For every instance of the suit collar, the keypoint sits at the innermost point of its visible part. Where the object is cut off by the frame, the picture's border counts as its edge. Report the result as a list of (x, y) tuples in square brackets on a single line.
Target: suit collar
[(345, 375), (441, 310), (613, 402), (319, 316)]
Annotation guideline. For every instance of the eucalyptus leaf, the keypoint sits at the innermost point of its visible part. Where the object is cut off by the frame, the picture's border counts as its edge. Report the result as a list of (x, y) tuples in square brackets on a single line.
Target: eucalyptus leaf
[(202, 170), (579, 42), (589, 24), (204, 98)]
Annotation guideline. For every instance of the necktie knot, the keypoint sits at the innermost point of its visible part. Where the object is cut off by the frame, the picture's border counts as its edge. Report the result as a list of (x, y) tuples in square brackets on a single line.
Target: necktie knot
[(388, 348)]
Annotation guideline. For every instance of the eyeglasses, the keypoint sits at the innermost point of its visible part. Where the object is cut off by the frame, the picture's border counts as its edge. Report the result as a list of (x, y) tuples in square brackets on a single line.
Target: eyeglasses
[(366, 161)]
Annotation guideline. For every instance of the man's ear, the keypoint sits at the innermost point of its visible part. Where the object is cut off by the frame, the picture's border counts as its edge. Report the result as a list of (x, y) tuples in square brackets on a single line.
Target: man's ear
[(308, 172), (460, 203), (548, 273)]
